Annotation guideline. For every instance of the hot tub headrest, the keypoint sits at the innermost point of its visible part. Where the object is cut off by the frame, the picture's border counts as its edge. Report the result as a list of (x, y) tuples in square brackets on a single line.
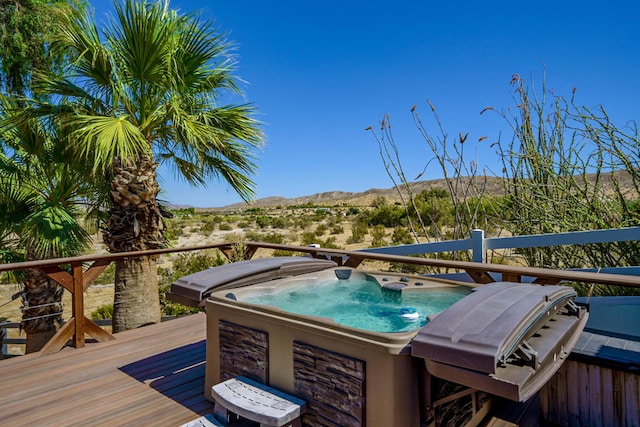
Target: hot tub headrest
[(192, 290), (504, 338)]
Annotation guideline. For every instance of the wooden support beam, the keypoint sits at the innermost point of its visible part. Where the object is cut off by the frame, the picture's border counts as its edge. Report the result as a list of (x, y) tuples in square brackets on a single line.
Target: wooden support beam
[(338, 260), (60, 339), (96, 331), (250, 251), (511, 277), (353, 261), (94, 271), (59, 275), (480, 276)]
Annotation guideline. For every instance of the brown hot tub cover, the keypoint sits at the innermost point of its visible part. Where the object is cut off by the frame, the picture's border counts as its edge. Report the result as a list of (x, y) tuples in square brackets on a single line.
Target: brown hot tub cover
[(193, 290), (507, 339)]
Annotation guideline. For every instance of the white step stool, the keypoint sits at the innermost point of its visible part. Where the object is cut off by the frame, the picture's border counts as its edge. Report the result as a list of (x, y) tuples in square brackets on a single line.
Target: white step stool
[(257, 402), (204, 421)]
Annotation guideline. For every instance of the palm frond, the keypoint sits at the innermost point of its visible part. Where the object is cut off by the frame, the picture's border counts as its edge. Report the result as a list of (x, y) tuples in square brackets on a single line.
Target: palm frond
[(53, 232), (102, 139)]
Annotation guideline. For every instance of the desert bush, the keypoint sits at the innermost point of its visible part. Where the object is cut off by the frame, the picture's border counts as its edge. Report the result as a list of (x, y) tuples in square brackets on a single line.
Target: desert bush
[(208, 227), (408, 268), (435, 208), (378, 235), (103, 312), (401, 236), (358, 231), (330, 243), (321, 229), (263, 221), (184, 212), (173, 231), (217, 219), (336, 229), (308, 238), (465, 182), (265, 237), (303, 221), (387, 216), (280, 222), (282, 252), (320, 214)]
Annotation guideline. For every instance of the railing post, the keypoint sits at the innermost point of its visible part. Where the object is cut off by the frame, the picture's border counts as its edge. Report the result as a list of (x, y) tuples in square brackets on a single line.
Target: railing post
[(478, 251), (77, 301)]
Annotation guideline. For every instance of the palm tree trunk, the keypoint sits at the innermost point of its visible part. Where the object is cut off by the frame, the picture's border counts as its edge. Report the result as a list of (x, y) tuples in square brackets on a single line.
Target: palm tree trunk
[(42, 314), (135, 224), (136, 300)]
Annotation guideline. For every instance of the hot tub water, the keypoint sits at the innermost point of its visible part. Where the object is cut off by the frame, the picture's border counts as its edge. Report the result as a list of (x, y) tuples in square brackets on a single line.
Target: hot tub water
[(361, 303)]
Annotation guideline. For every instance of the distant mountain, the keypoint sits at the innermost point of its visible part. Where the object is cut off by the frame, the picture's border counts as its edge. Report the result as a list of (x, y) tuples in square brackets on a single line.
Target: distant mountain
[(464, 187), (331, 198)]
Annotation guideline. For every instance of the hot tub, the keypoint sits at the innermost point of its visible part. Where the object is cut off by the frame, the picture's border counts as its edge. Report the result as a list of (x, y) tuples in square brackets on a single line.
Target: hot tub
[(353, 375)]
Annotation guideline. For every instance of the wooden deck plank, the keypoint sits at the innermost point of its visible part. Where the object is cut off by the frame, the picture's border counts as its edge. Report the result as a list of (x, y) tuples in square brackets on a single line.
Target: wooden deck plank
[(126, 344), (149, 376)]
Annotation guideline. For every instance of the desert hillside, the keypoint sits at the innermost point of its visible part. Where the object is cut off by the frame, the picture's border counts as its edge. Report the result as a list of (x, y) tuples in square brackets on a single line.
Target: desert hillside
[(331, 198), (464, 185)]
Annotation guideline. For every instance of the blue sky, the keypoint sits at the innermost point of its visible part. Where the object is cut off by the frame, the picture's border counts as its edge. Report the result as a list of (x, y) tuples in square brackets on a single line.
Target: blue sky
[(322, 72)]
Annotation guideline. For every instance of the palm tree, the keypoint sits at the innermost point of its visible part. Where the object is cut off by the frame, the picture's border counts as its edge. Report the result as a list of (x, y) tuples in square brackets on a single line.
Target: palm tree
[(147, 91), (42, 197)]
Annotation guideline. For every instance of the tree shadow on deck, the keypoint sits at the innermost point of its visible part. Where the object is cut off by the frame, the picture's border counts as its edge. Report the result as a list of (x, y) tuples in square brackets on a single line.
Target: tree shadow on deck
[(178, 374)]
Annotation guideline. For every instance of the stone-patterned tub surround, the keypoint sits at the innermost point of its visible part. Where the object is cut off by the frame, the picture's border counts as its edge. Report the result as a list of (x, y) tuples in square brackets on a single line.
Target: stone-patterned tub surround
[(390, 387)]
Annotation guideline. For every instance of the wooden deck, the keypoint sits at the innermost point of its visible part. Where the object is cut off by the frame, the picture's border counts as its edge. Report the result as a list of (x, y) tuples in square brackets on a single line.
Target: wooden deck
[(152, 376)]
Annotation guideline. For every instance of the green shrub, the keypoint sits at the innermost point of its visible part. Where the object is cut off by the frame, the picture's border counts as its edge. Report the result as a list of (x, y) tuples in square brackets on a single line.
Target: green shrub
[(265, 237), (263, 221), (329, 243), (358, 231), (321, 229), (303, 222), (401, 236), (226, 227), (378, 234), (102, 313), (387, 216), (282, 252), (280, 222), (184, 212), (173, 230), (308, 238), (337, 229), (208, 227)]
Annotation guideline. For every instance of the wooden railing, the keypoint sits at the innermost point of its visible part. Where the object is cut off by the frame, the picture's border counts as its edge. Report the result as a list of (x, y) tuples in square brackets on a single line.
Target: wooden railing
[(85, 269)]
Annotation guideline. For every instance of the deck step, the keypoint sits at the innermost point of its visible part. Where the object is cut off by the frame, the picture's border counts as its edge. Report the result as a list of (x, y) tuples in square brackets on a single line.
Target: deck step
[(257, 402), (204, 421)]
